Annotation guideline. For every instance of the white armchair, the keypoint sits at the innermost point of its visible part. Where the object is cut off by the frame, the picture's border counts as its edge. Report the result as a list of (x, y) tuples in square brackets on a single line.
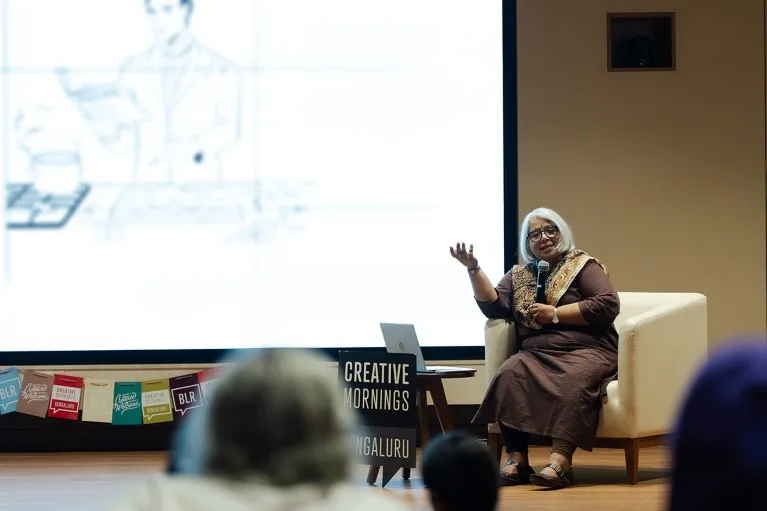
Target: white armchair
[(662, 340)]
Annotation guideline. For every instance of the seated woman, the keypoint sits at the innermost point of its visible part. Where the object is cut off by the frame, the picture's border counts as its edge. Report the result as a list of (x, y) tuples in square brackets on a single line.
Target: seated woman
[(274, 437), (568, 348)]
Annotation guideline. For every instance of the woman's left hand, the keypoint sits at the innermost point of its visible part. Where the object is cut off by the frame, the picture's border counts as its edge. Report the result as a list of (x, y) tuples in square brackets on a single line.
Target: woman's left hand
[(543, 313)]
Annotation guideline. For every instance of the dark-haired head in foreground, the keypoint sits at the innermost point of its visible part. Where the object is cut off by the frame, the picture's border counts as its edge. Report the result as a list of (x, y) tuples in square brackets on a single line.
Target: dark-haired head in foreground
[(460, 473), (720, 443)]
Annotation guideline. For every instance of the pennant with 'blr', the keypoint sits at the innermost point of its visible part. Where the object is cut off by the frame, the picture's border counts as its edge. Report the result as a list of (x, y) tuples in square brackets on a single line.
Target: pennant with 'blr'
[(155, 402), (36, 390), (97, 400), (186, 394), (208, 379), (126, 404), (65, 397), (10, 390)]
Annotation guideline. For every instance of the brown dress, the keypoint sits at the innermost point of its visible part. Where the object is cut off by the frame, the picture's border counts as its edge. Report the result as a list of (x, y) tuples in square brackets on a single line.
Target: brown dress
[(552, 386)]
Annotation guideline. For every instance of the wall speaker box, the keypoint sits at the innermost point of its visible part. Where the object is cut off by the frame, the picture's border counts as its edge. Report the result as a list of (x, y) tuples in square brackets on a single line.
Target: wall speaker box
[(641, 41)]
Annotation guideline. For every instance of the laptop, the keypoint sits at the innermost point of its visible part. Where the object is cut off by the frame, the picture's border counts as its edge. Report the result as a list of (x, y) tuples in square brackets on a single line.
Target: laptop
[(401, 338)]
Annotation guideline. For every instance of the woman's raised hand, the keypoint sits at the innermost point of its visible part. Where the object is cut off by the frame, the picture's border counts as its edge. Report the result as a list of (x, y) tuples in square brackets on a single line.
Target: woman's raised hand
[(464, 257)]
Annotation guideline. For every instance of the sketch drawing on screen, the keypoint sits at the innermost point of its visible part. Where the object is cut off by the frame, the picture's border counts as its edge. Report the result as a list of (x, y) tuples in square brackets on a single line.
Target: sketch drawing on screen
[(176, 105), (173, 110)]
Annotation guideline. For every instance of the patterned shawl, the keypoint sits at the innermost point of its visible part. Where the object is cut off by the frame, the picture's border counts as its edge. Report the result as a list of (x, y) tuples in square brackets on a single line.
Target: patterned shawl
[(560, 278)]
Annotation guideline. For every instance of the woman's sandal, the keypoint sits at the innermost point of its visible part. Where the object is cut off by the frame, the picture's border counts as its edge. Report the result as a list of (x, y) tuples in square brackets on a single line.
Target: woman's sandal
[(554, 483), (522, 476)]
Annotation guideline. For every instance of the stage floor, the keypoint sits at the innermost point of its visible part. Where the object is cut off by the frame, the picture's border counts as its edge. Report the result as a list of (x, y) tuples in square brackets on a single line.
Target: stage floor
[(91, 481)]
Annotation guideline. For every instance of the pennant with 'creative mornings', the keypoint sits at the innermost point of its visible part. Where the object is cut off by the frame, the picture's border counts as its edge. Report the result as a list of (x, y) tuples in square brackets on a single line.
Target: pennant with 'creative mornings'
[(126, 404), (36, 389), (97, 400), (65, 397), (185, 393), (208, 379), (155, 402), (10, 390)]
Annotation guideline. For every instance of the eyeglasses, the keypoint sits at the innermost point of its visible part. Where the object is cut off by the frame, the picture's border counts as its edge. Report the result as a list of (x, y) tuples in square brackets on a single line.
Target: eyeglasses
[(550, 231)]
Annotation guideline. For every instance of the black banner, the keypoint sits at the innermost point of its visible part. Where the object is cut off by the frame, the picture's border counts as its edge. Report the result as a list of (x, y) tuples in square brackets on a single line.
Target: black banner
[(381, 389)]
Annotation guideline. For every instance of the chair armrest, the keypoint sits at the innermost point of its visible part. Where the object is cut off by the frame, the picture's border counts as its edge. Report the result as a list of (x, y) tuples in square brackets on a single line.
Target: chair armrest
[(500, 344), (658, 352)]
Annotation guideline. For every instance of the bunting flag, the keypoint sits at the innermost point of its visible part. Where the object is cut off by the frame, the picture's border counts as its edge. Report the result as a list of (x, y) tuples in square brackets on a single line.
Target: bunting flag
[(131, 403), (186, 394), (65, 397), (155, 402), (126, 410), (36, 393), (10, 390), (97, 400), (208, 380)]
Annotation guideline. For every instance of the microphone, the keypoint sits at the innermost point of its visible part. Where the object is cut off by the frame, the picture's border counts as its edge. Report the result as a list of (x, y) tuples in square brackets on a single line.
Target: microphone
[(540, 286)]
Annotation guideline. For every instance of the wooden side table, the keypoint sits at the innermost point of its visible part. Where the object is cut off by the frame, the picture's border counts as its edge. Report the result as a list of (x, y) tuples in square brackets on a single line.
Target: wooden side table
[(431, 383)]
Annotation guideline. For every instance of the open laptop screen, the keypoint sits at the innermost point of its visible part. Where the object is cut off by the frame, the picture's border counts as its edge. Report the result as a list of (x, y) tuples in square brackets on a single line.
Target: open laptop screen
[(401, 338)]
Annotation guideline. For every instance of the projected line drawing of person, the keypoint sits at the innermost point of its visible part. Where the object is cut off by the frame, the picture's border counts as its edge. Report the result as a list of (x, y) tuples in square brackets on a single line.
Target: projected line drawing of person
[(176, 106)]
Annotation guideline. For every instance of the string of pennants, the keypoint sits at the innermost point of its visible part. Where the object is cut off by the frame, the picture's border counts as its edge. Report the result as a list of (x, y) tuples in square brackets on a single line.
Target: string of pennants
[(96, 400)]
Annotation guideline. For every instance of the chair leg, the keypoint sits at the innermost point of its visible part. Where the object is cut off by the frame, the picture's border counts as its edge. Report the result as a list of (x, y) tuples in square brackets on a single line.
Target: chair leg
[(632, 460), (495, 444)]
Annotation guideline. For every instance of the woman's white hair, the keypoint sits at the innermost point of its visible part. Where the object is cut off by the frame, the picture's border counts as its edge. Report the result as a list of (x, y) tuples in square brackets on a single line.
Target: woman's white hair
[(279, 417), (566, 239)]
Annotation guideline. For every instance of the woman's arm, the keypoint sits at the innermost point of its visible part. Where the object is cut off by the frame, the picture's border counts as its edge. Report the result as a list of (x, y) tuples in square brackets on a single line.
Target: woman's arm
[(570, 314), (599, 307), (482, 287), (494, 302)]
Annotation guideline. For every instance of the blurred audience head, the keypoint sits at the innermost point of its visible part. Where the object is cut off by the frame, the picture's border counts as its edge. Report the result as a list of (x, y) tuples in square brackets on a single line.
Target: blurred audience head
[(720, 442), (188, 445), (460, 473), (278, 417)]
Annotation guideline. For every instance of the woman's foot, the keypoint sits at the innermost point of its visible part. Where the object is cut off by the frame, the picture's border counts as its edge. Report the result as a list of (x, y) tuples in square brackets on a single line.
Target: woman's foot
[(556, 474), (516, 471), (558, 460)]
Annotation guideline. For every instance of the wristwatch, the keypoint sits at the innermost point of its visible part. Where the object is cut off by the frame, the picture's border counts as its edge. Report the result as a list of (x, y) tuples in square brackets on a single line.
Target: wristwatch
[(555, 319)]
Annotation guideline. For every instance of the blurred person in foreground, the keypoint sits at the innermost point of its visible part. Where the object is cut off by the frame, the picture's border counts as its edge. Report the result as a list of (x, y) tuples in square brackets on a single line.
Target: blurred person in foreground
[(460, 474), (275, 438), (720, 442)]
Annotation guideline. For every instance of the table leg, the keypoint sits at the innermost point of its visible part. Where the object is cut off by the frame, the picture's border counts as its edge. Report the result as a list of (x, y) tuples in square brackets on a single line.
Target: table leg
[(443, 415), (440, 404), (373, 474), (422, 420), (424, 425)]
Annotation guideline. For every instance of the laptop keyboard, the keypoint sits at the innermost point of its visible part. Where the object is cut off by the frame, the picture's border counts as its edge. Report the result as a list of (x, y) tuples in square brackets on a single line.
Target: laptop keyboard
[(26, 208)]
